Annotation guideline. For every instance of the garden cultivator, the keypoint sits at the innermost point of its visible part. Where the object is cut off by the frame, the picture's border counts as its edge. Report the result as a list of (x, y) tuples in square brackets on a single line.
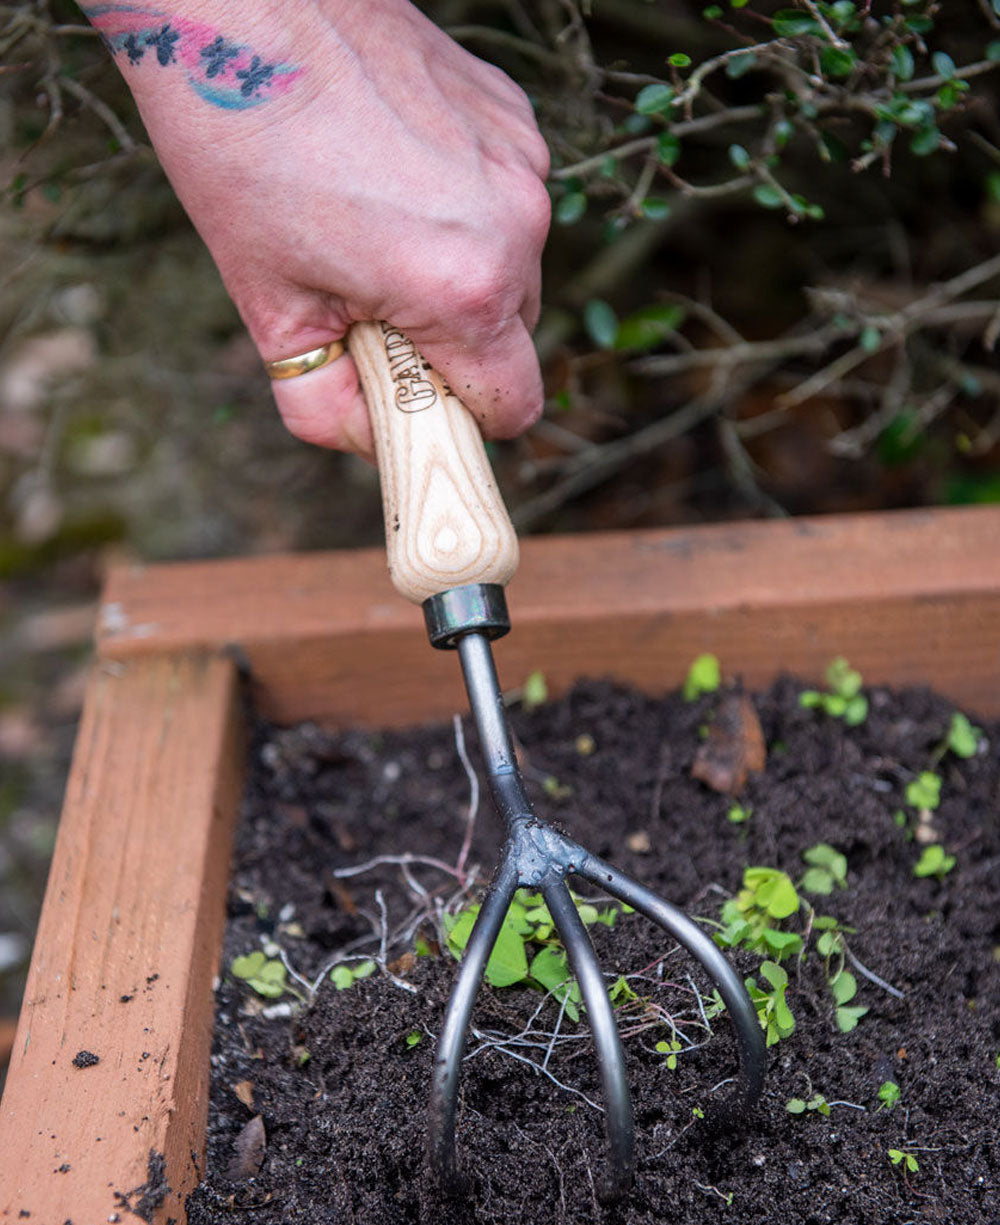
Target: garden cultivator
[(452, 549)]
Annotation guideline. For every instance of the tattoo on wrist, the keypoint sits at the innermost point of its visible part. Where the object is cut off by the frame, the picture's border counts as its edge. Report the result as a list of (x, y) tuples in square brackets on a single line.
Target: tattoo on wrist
[(224, 72)]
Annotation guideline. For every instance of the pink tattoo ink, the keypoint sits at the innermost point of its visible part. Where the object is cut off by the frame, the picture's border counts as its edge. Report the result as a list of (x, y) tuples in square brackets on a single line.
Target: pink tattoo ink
[(225, 73)]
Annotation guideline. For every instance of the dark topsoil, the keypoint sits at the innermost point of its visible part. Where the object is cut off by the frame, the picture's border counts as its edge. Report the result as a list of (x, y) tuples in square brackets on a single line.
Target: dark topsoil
[(345, 1127)]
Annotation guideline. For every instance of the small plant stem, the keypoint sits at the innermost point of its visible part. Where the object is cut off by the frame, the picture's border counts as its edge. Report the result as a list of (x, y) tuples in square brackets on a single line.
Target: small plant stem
[(381, 860), (383, 944), (470, 819), (309, 988), (555, 1032), (727, 1199), (872, 976), (824, 25)]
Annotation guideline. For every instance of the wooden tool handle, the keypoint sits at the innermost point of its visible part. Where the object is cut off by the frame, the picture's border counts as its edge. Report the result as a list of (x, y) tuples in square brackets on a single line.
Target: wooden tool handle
[(445, 522)]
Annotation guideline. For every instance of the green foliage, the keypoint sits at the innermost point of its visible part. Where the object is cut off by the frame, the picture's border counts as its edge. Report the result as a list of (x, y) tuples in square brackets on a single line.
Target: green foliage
[(267, 978), (888, 1095), (669, 1048), (654, 99), (343, 976), (528, 949), (924, 792), (772, 1008), (534, 691), (601, 323), (569, 208), (644, 329), (844, 699), (934, 862), (704, 676), (738, 813), (827, 870), (817, 1103), (750, 919), (900, 1156), (621, 993), (844, 987), (962, 738)]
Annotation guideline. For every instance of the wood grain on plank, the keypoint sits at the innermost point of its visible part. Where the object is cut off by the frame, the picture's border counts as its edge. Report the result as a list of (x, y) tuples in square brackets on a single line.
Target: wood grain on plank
[(107, 1093), (907, 596)]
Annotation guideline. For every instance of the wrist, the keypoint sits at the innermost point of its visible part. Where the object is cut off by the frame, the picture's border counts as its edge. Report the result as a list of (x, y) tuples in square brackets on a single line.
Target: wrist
[(187, 58)]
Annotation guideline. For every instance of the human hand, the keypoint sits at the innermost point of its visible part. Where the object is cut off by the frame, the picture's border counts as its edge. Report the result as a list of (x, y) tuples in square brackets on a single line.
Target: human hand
[(344, 162)]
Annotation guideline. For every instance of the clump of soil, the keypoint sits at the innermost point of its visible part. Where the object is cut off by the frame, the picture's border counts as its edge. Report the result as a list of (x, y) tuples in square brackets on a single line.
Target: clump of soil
[(341, 1085)]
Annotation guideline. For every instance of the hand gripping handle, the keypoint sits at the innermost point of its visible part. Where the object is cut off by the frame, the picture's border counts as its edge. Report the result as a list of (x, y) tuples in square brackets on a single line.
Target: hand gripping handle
[(445, 523)]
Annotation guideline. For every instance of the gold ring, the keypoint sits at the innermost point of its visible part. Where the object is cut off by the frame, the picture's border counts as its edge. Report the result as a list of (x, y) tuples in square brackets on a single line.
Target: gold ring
[(315, 359)]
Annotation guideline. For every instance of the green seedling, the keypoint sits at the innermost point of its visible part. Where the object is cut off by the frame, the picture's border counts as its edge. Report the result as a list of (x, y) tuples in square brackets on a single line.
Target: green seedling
[(267, 978), (527, 949), (934, 862), (888, 1095), (924, 791), (775, 1016), (899, 1156), (844, 699), (344, 976), (554, 789), (670, 1049), (704, 676), (827, 869), (843, 988), (832, 947), (620, 993), (817, 1103), (413, 1038), (749, 920), (738, 813), (962, 738), (534, 691)]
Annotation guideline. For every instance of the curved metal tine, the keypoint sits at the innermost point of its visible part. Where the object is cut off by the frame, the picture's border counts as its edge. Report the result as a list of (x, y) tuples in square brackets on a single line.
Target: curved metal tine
[(750, 1038), (600, 1014), (447, 1068)]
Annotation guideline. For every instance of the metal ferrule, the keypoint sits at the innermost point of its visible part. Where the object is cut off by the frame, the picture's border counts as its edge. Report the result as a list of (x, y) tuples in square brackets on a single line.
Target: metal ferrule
[(476, 608)]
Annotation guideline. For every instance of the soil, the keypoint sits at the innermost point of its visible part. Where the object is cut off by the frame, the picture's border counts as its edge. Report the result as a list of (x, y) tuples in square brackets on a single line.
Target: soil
[(342, 1092)]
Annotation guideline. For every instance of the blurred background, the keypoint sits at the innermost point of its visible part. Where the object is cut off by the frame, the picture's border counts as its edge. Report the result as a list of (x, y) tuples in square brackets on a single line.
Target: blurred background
[(771, 289)]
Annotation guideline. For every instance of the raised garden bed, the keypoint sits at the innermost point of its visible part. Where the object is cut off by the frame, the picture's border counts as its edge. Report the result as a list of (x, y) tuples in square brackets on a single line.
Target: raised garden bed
[(130, 935), (866, 1114)]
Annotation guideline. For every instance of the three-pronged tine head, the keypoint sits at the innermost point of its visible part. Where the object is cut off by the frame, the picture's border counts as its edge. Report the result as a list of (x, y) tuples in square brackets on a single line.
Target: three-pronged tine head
[(538, 857)]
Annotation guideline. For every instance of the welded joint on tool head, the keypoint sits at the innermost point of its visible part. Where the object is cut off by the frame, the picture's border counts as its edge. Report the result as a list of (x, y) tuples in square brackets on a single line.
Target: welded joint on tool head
[(541, 853)]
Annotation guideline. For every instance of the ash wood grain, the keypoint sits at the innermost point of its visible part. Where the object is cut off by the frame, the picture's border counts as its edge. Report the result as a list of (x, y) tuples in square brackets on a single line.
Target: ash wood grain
[(909, 597), (126, 951), (445, 522)]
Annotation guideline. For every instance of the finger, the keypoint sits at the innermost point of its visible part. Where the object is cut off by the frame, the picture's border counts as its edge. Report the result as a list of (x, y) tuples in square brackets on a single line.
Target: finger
[(531, 306), (500, 382), (325, 407)]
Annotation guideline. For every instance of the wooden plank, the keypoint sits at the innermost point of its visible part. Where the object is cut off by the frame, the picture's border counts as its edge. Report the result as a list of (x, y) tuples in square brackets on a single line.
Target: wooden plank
[(125, 954), (909, 597)]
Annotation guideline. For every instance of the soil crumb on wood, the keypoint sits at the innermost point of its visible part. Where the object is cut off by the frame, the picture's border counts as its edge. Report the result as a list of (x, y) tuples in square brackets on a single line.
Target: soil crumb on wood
[(143, 1201), (339, 1077)]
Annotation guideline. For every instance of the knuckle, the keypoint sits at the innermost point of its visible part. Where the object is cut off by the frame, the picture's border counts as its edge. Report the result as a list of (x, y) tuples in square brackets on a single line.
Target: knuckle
[(480, 289), (536, 209)]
